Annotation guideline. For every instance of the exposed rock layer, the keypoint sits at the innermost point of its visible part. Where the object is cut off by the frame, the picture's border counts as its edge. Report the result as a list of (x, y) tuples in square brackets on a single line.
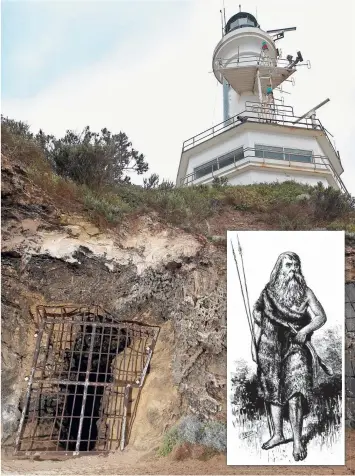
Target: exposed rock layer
[(145, 272)]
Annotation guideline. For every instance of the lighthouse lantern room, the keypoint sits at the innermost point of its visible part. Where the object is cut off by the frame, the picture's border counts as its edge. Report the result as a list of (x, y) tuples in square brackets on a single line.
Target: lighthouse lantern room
[(260, 138)]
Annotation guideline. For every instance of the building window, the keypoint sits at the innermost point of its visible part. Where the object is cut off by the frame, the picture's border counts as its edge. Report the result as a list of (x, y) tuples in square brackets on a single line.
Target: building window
[(205, 169), (283, 153), (219, 163)]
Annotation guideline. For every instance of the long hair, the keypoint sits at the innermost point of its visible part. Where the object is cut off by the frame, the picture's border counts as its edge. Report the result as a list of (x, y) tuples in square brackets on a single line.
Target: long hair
[(276, 271), (288, 292)]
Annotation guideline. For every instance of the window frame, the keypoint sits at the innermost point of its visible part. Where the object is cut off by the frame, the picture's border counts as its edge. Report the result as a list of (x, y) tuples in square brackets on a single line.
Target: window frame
[(216, 162), (286, 152)]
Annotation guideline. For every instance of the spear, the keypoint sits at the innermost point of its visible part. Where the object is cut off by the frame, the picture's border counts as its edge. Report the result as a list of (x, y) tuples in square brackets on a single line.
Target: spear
[(248, 313), (246, 304)]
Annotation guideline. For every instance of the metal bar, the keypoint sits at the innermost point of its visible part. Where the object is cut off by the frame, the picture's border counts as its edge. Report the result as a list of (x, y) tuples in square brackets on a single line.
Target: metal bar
[(293, 28), (113, 401), (241, 163), (77, 448), (122, 324), (66, 394), (225, 124), (61, 393), (55, 453), (146, 368), (75, 395), (313, 110), (124, 419), (28, 392)]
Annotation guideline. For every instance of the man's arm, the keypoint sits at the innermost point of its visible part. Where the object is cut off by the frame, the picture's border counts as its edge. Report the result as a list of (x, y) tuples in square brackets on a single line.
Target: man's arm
[(318, 320)]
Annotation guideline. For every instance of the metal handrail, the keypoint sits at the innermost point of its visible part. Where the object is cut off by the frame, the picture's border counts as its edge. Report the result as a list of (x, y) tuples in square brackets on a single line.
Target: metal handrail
[(247, 116), (247, 59), (252, 105), (323, 163)]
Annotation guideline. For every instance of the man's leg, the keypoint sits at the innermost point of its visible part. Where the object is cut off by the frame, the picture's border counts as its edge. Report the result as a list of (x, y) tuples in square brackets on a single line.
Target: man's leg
[(277, 436), (296, 420)]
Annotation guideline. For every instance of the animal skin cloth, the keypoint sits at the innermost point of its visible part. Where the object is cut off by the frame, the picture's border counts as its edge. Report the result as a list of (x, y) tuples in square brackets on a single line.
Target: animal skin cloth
[(284, 367)]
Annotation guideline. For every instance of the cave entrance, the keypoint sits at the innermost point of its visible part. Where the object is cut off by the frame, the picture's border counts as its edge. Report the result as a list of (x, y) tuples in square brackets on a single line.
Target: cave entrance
[(84, 387)]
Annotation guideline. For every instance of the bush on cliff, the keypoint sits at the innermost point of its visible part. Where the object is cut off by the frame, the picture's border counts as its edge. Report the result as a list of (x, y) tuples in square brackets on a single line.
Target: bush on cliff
[(210, 434), (90, 171)]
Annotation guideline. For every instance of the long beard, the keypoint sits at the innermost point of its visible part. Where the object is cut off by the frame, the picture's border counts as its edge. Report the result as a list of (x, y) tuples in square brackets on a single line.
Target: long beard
[(289, 290)]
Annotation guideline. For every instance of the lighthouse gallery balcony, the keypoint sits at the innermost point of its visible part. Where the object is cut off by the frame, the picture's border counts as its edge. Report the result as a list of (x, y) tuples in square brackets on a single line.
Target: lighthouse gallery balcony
[(320, 162)]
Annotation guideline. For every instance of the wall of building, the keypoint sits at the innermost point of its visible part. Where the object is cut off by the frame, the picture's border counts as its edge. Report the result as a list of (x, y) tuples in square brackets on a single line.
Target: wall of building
[(221, 147), (286, 140), (237, 102), (249, 139), (256, 176)]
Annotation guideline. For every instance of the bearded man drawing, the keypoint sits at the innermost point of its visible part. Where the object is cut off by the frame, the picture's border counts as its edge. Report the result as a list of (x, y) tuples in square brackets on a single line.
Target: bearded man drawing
[(284, 361)]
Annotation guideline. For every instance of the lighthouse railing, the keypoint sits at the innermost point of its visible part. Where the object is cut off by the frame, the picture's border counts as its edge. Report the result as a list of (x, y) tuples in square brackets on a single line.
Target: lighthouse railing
[(277, 114), (252, 60), (259, 156)]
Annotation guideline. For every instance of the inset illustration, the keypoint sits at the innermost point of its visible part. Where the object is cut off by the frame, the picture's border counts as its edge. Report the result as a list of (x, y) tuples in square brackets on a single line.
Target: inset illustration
[(285, 348)]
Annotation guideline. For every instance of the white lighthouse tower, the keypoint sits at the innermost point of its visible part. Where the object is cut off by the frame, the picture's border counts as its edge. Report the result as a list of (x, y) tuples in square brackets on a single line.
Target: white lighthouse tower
[(260, 139)]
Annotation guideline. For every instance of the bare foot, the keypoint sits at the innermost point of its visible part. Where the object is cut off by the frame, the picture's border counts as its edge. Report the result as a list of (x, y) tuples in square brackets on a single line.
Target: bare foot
[(299, 451), (274, 441)]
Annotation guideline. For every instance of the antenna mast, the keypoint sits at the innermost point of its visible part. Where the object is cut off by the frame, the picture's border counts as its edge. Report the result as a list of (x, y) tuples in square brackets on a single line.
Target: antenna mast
[(312, 111), (222, 23)]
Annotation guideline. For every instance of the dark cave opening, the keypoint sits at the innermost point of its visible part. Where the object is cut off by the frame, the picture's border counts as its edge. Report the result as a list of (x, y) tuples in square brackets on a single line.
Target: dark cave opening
[(93, 360)]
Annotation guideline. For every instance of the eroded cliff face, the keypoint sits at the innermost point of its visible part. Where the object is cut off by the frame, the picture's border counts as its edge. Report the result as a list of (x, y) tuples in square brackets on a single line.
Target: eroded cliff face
[(145, 272)]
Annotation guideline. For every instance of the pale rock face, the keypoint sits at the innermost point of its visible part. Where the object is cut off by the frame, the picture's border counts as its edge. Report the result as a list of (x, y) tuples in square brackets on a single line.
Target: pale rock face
[(144, 250)]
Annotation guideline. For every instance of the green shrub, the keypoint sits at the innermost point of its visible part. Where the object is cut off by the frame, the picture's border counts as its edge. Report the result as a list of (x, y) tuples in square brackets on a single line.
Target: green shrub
[(109, 205), (214, 436), (219, 182), (288, 217), (211, 434), (170, 439), (331, 204), (349, 226), (187, 207)]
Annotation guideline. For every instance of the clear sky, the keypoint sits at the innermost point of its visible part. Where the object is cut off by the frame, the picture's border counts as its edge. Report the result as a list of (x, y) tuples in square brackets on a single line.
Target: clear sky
[(144, 67)]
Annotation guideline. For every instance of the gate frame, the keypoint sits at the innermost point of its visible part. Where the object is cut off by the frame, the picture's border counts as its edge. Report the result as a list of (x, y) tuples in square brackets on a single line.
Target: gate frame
[(43, 321)]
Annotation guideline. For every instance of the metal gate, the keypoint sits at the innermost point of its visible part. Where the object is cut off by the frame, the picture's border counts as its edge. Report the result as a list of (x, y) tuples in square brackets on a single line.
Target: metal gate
[(85, 382)]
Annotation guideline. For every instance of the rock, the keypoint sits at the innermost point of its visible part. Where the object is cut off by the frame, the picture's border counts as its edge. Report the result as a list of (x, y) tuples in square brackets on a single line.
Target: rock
[(10, 417)]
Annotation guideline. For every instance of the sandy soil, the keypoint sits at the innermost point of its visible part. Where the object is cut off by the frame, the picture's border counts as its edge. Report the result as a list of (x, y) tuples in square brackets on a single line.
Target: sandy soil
[(135, 462)]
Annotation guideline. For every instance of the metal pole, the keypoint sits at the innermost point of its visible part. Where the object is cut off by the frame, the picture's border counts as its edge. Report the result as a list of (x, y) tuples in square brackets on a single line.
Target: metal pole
[(144, 372), (259, 87), (29, 387), (124, 419), (86, 384), (311, 111), (245, 280), (244, 300)]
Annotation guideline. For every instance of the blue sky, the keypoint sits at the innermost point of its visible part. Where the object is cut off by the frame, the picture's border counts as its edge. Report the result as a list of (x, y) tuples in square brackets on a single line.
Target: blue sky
[(43, 41)]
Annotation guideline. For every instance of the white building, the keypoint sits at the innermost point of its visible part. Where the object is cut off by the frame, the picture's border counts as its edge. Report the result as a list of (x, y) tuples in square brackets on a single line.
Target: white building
[(260, 139)]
